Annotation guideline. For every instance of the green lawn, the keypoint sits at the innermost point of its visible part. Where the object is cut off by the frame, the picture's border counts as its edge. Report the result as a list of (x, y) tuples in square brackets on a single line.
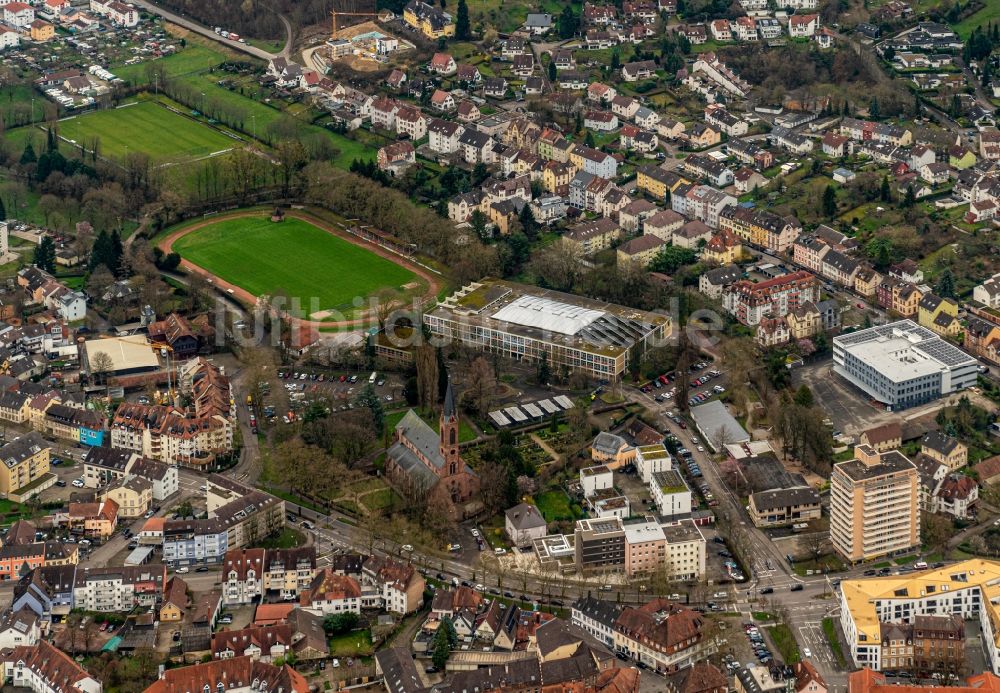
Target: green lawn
[(830, 630), (285, 539), (988, 14), (357, 643), (785, 643), (466, 432), (193, 58), (323, 271), (144, 127), (555, 505)]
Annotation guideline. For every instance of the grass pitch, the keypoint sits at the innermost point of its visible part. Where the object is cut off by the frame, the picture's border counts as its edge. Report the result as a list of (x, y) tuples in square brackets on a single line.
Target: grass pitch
[(145, 127), (292, 257)]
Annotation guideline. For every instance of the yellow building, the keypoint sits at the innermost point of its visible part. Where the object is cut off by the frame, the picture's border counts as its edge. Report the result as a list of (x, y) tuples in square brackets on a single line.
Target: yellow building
[(805, 321), (428, 20), (866, 281), (874, 505), (724, 248), (133, 494), (556, 176), (906, 299), (25, 460), (175, 601), (944, 449), (939, 315), (42, 31), (640, 251), (656, 182)]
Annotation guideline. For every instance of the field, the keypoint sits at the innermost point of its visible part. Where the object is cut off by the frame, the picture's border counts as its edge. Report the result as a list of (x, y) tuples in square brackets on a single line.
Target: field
[(294, 257), (983, 18), (141, 127), (193, 58)]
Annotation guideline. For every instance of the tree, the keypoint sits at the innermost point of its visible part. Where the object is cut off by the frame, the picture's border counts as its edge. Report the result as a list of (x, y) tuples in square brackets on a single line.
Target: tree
[(479, 223), (873, 109), (101, 364), (553, 73), (370, 400), (3, 211), (804, 396), (462, 21), (945, 287), (829, 201), (337, 624), (441, 644), (885, 194), (880, 250), (671, 258), (911, 197), (45, 255), (935, 530), (28, 156), (482, 386), (568, 22), (544, 373)]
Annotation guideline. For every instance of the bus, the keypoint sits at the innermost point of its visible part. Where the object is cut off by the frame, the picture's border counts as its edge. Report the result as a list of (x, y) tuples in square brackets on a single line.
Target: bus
[(372, 378)]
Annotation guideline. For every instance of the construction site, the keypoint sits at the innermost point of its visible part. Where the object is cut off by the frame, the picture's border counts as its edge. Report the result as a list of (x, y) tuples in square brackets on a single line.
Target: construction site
[(359, 38)]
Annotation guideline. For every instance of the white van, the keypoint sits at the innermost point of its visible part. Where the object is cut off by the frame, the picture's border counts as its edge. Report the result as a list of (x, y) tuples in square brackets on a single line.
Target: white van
[(920, 565)]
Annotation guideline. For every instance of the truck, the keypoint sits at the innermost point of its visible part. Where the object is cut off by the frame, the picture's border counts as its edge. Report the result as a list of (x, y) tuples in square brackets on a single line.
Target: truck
[(372, 378)]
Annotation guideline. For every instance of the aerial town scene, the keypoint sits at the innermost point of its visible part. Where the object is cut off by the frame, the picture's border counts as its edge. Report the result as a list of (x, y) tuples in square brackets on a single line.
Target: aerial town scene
[(500, 346)]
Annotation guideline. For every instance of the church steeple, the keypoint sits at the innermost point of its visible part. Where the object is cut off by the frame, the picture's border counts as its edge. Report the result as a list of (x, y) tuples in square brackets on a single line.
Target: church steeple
[(449, 433)]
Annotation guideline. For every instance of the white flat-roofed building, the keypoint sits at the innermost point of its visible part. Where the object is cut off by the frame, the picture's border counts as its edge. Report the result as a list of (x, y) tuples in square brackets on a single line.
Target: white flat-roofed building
[(650, 459), (594, 479), (671, 495), (523, 322), (902, 364)]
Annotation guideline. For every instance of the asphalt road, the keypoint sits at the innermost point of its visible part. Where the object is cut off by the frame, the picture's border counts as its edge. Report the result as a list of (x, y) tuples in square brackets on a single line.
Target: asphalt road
[(210, 32)]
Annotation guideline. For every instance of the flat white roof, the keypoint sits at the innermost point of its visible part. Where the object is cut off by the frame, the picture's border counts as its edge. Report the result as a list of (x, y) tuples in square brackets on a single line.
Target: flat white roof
[(564, 401), (126, 352), (499, 419), (546, 314), (548, 406), (532, 410), (644, 531), (515, 414)]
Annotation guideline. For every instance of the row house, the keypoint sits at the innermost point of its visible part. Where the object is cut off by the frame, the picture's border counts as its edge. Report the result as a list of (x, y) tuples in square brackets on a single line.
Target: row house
[(709, 169), (862, 130), (750, 153), (839, 268), (556, 177), (898, 296), (670, 128), (790, 140), (594, 161), (725, 121), (982, 339), (120, 588), (701, 202), (391, 586), (761, 228), (249, 575), (834, 145), (866, 281), (750, 303)]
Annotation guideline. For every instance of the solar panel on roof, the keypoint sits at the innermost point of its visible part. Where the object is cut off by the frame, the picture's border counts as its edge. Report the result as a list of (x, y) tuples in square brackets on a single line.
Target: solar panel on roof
[(533, 410), (499, 419), (564, 401), (548, 406), (516, 414)]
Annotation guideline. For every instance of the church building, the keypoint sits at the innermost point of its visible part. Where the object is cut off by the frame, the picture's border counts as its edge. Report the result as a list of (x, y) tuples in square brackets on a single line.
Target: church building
[(421, 461)]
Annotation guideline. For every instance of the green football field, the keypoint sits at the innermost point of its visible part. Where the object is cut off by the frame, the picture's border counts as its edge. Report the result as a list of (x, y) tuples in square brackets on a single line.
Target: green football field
[(293, 257), (145, 127)]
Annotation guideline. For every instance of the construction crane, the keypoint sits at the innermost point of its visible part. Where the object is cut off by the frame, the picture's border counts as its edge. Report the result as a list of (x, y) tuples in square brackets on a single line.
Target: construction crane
[(165, 351), (353, 8)]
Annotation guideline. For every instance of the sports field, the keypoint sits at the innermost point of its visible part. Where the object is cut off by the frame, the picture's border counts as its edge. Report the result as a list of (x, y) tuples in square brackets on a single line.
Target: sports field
[(293, 257), (145, 127)]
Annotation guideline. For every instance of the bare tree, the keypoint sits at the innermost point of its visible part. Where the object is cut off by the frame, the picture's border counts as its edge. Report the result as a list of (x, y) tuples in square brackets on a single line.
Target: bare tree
[(482, 386)]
